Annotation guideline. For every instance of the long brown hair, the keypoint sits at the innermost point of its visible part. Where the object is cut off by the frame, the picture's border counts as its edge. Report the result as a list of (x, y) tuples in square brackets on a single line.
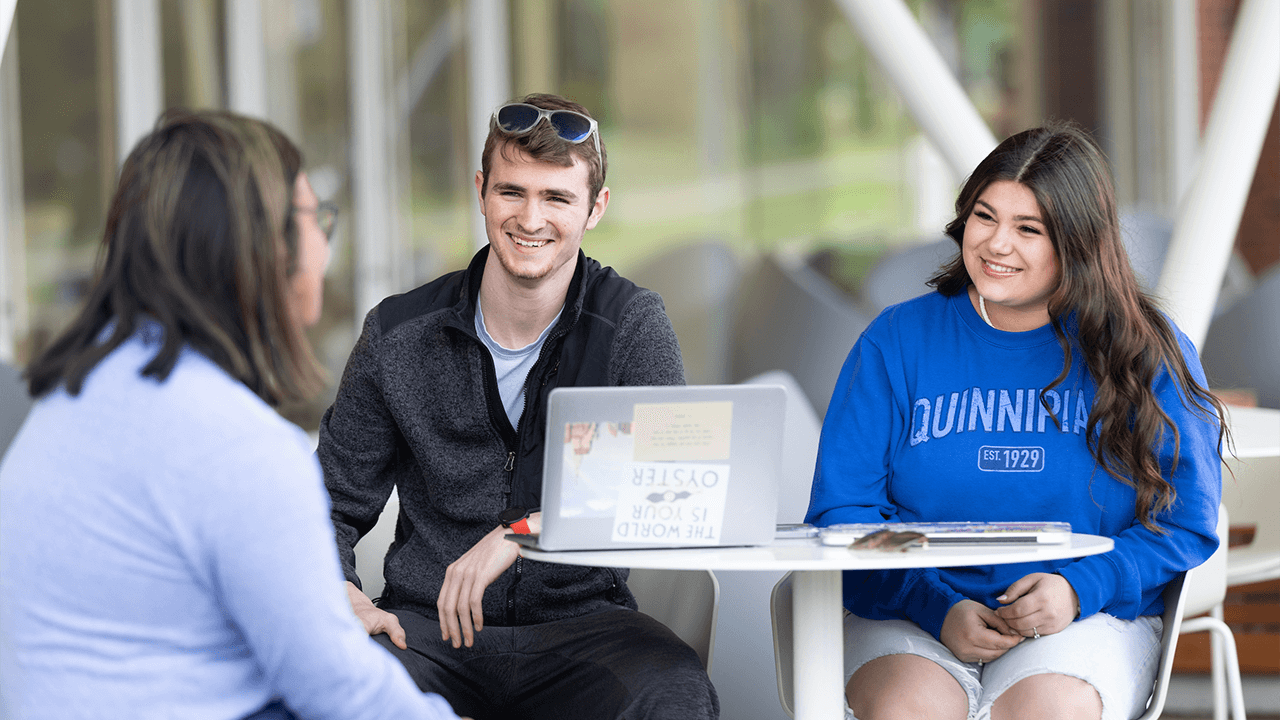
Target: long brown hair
[(200, 237), (1124, 339)]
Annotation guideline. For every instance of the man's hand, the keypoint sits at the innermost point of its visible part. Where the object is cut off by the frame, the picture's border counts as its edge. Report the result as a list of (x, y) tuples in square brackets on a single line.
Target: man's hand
[(974, 632), (460, 603), (375, 620), (1039, 604)]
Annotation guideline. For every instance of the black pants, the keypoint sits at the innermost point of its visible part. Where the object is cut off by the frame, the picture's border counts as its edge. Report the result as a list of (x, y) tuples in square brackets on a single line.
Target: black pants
[(616, 663)]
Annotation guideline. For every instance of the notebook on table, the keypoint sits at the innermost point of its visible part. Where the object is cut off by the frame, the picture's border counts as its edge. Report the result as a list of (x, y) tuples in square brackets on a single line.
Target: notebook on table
[(957, 533), (659, 467)]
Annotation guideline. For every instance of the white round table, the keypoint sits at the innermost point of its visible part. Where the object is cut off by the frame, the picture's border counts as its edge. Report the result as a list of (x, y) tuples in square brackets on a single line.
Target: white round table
[(817, 622)]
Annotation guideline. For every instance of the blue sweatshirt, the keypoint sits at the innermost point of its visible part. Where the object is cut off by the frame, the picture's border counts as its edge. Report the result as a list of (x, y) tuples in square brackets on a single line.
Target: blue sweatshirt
[(166, 552), (936, 417)]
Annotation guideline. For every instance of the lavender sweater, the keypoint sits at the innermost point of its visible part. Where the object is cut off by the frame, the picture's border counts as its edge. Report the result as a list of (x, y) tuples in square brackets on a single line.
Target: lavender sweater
[(166, 552)]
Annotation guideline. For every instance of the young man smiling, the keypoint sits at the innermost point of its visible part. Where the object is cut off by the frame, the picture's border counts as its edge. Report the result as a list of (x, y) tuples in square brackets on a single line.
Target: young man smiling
[(444, 398)]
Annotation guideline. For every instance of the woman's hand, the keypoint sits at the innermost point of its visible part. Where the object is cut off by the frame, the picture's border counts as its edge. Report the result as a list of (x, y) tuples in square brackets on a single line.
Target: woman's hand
[(1039, 604), (974, 632)]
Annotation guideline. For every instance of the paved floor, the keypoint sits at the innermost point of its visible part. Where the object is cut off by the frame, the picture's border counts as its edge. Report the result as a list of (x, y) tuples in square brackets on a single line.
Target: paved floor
[(1190, 697)]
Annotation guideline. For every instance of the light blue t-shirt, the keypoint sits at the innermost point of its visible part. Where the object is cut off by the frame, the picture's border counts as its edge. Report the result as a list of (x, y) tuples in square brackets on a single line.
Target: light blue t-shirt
[(512, 366), (166, 552)]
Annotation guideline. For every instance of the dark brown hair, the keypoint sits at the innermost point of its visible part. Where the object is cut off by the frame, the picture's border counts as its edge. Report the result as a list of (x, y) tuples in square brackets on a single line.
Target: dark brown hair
[(543, 145), (200, 238), (1124, 339)]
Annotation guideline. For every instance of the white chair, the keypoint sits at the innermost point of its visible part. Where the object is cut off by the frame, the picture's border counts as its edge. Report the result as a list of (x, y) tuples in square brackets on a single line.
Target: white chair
[(781, 611), (686, 601), (1251, 494), (1199, 590), (1194, 591)]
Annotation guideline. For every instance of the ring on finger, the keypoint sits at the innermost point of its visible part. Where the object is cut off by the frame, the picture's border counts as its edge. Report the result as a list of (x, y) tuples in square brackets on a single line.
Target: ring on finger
[(1035, 634)]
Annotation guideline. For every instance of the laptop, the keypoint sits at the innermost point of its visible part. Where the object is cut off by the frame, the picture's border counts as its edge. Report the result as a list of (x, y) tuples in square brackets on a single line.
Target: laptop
[(660, 467)]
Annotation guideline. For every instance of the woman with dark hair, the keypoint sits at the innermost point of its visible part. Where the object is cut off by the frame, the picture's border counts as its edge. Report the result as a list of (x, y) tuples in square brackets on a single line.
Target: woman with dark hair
[(165, 547), (1038, 383)]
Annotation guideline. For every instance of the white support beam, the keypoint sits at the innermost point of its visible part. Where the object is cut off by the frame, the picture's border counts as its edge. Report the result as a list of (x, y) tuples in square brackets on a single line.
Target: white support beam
[(200, 41), (1182, 68), (1204, 235), (7, 8), (139, 63), (489, 81), (246, 58), (377, 243), (14, 313), (931, 92)]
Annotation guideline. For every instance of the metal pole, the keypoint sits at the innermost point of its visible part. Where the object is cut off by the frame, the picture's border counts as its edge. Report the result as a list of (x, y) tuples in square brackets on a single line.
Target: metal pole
[(139, 90), (932, 94), (1204, 234), (488, 59)]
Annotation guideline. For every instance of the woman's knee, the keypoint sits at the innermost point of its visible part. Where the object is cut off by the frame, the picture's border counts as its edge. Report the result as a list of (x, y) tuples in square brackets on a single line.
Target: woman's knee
[(1049, 696), (905, 686)]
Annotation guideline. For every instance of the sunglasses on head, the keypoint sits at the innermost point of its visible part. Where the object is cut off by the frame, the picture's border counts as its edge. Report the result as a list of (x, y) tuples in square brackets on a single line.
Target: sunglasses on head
[(521, 118)]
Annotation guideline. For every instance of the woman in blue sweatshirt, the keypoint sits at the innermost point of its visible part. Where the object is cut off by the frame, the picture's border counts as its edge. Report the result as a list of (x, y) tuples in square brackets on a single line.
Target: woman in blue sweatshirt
[(1037, 383)]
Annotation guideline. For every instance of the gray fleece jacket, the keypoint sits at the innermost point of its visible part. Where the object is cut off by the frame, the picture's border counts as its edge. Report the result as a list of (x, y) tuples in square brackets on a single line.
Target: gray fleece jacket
[(418, 409)]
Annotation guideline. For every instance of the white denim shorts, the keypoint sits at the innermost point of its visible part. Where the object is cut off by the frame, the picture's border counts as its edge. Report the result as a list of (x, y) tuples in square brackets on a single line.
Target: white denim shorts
[(1119, 658)]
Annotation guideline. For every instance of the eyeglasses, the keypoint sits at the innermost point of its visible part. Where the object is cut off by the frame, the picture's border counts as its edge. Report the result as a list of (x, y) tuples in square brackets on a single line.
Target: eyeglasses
[(522, 118), (326, 216)]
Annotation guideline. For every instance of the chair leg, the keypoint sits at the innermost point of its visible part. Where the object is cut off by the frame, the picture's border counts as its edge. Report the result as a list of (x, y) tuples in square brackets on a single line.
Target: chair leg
[(1218, 668), (1231, 664)]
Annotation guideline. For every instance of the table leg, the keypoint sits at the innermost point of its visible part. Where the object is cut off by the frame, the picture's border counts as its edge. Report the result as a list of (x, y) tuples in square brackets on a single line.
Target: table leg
[(818, 646)]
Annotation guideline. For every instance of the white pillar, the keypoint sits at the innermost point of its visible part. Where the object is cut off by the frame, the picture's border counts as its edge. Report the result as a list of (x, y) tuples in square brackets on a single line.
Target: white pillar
[(1182, 68), (931, 92), (200, 35), (139, 88), (7, 8), (1118, 97), (246, 58), (376, 241), (489, 81), (1204, 234), (13, 263)]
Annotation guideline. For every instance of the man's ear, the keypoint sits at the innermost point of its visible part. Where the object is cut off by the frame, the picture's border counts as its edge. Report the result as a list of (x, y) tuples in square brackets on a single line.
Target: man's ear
[(480, 189), (597, 210)]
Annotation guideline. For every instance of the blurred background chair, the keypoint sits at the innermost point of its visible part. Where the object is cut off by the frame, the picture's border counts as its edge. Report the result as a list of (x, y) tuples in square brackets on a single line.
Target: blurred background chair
[(684, 600), (14, 404), (901, 273), (1242, 349), (795, 320), (699, 285)]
